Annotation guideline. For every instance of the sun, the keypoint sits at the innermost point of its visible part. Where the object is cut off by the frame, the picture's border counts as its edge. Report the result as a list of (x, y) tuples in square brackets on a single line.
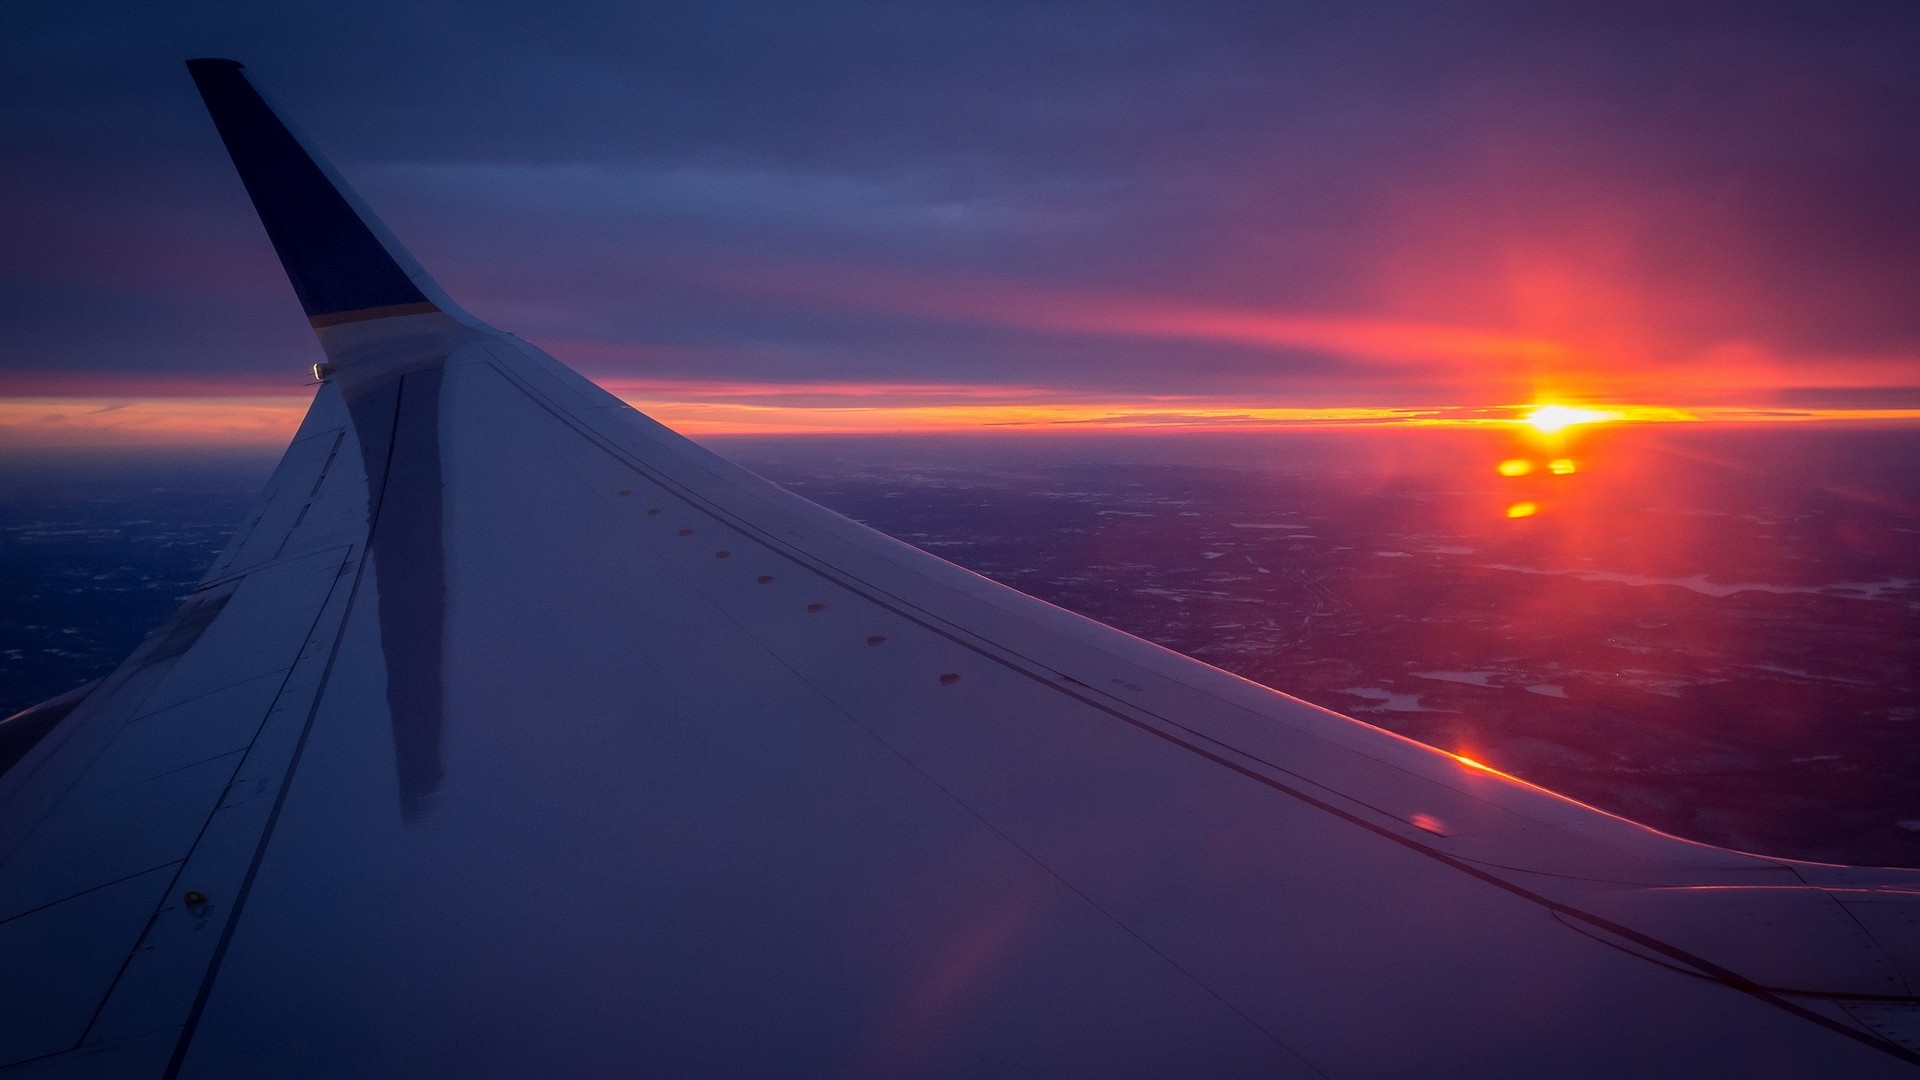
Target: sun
[(1548, 419)]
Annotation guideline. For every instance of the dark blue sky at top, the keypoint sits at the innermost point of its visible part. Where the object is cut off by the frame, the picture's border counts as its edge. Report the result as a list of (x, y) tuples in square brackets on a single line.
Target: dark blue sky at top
[(797, 191)]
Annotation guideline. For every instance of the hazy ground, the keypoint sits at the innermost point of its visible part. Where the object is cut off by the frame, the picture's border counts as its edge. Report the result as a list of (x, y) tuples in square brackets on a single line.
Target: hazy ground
[(1714, 632)]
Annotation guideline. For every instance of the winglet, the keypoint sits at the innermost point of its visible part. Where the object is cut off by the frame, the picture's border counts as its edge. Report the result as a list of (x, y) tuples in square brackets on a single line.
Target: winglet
[(343, 264)]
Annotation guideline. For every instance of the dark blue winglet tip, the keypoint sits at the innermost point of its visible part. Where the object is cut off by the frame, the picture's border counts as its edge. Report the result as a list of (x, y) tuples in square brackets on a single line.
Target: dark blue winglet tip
[(338, 267)]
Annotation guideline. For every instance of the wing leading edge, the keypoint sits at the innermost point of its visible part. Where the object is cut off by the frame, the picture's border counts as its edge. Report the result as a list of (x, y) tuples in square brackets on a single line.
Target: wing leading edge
[(517, 732)]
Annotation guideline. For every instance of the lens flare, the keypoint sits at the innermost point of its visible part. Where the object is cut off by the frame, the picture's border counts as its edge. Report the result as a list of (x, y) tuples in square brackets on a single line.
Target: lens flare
[(1562, 466), (1516, 467), (1523, 510)]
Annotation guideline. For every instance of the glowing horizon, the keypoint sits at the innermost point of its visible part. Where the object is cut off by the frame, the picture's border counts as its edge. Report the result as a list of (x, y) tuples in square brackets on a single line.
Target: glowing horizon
[(188, 418)]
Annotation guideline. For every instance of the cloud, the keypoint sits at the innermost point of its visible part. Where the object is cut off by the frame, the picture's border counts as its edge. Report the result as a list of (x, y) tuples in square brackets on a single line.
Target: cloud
[(1378, 205)]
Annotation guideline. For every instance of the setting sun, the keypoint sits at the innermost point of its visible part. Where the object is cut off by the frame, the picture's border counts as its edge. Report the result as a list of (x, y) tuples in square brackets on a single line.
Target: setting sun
[(1548, 419)]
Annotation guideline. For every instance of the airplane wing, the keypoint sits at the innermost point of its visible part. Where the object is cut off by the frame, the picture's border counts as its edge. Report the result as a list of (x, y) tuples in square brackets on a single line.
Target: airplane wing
[(515, 734)]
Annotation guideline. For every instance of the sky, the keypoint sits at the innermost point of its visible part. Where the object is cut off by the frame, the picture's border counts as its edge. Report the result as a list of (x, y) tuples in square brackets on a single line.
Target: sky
[(880, 216)]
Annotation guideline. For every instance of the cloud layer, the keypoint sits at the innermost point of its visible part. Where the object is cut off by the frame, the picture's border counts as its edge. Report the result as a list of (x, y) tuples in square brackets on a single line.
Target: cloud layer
[(1384, 205)]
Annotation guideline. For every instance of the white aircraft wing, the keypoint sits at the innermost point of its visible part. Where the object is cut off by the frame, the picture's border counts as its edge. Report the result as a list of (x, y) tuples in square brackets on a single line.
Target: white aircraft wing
[(517, 735)]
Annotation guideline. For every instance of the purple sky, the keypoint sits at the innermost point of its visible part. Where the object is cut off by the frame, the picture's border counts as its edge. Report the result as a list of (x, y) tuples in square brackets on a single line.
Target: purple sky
[(1300, 204)]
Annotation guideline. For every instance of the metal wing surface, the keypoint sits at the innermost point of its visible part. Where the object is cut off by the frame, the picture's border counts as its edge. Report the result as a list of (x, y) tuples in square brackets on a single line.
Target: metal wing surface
[(517, 735)]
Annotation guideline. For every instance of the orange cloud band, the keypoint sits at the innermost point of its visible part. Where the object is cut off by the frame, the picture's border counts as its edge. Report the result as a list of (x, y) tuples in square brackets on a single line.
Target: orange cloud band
[(64, 422), (762, 408)]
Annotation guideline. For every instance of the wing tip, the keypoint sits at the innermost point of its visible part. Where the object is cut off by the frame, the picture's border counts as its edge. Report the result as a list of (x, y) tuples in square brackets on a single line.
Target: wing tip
[(207, 70), (337, 257)]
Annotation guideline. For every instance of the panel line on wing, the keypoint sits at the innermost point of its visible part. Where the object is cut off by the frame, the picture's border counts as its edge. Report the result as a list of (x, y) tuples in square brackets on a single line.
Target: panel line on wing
[(291, 769), (89, 889), (240, 765)]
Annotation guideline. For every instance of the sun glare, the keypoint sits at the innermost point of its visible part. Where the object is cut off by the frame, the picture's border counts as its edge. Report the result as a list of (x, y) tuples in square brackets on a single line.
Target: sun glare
[(1548, 419)]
